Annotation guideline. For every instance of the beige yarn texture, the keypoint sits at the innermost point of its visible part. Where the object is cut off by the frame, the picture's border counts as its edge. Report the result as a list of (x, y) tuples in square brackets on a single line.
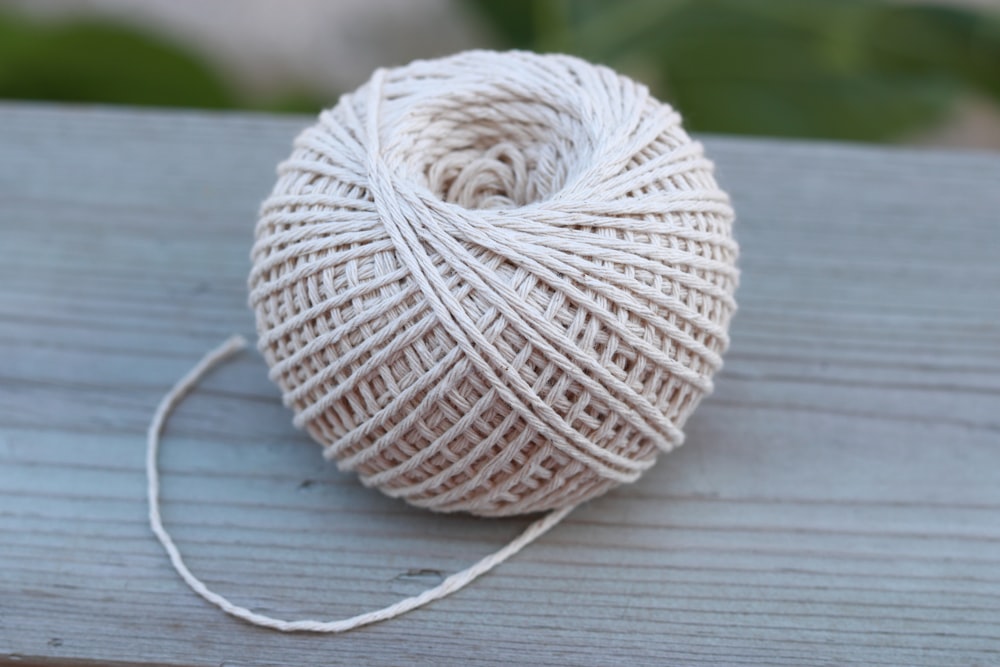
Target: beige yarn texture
[(496, 283)]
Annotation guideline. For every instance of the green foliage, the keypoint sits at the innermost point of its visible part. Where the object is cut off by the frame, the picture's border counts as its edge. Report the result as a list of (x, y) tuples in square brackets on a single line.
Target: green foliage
[(843, 69), (952, 43), (93, 62), (100, 62)]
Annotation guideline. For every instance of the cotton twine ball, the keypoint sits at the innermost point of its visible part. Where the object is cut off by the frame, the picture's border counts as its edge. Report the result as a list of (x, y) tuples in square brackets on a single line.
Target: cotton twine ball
[(495, 282)]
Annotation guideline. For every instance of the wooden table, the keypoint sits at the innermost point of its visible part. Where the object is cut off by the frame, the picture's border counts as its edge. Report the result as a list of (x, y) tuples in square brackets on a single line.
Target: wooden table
[(837, 501)]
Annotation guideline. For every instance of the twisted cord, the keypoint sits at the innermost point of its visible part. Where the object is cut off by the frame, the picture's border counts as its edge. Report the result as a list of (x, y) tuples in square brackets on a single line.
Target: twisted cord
[(451, 584), (495, 283)]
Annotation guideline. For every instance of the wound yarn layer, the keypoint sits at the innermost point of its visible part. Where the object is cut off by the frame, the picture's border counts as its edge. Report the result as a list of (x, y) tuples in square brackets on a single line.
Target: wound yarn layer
[(496, 283)]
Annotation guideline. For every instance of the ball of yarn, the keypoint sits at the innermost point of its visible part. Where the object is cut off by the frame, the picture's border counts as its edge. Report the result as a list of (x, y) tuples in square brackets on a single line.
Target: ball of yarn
[(496, 283)]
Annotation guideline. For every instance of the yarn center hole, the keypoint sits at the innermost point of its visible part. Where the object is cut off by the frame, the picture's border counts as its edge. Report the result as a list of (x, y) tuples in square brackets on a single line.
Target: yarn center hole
[(483, 160)]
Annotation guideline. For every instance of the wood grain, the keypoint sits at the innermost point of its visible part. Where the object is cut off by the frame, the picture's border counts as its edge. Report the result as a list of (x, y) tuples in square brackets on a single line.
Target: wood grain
[(837, 501)]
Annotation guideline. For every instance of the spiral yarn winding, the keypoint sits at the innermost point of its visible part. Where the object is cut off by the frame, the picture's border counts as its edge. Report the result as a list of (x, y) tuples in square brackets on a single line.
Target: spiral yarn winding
[(496, 283)]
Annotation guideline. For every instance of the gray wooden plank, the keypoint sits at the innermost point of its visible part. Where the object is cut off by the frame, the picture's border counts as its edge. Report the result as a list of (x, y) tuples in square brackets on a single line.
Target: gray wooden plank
[(837, 501)]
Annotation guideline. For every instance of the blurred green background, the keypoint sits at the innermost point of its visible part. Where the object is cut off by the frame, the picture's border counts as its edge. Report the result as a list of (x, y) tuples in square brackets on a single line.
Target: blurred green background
[(840, 69)]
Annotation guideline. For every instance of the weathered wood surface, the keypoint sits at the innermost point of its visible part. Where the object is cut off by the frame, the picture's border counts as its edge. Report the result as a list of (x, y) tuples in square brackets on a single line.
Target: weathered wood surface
[(837, 501)]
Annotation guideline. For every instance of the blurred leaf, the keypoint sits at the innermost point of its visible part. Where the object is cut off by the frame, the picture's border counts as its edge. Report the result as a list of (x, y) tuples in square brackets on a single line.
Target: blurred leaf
[(93, 62), (606, 31), (754, 68), (856, 108), (514, 20), (843, 69), (942, 41), (301, 101)]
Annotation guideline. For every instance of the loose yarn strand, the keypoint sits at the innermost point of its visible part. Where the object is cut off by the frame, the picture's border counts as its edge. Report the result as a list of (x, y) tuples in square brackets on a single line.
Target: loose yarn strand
[(451, 584)]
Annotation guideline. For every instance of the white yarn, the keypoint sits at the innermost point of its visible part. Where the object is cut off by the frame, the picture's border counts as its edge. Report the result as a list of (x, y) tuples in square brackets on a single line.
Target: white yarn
[(496, 283), (446, 587)]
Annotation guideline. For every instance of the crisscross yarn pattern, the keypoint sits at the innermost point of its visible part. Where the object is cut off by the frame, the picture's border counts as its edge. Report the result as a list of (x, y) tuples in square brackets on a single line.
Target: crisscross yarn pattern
[(496, 283)]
